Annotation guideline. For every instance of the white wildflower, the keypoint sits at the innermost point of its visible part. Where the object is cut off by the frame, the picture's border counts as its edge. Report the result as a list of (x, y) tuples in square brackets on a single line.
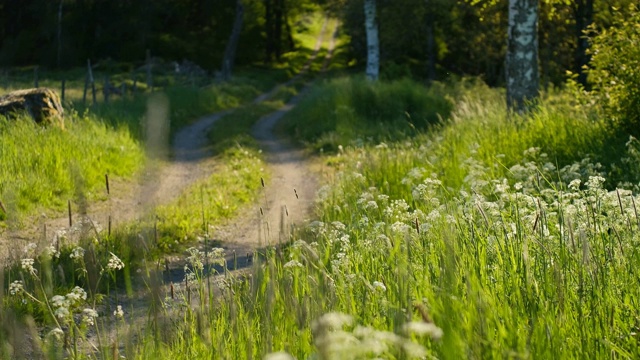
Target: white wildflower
[(423, 329), (413, 350), (61, 312), (371, 205), (59, 301), (56, 334), (77, 253), (89, 316), (595, 182), (331, 321), (189, 276), (216, 256), (575, 184), (195, 258), (76, 295), (379, 286), (293, 264), (119, 313), (27, 264), (400, 227), (16, 287), (52, 252), (280, 355), (115, 263)]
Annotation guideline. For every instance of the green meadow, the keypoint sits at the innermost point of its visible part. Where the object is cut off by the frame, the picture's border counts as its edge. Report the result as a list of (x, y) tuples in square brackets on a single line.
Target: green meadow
[(445, 226)]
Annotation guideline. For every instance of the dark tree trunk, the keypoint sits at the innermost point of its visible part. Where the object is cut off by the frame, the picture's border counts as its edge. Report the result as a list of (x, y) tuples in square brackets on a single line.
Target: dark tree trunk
[(269, 27), (522, 74), (583, 12), (232, 45), (277, 31), (431, 43)]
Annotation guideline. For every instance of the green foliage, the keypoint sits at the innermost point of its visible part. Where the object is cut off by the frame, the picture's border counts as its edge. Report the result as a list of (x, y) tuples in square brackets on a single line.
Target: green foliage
[(484, 252), (233, 184), (339, 111), (43, 167), (615, 72)]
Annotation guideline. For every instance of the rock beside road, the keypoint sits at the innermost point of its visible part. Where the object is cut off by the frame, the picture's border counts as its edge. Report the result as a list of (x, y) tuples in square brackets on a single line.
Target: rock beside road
[(42, 104)]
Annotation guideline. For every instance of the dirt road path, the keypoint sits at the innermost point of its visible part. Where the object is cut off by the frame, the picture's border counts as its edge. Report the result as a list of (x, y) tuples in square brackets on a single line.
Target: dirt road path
[(163, 182)]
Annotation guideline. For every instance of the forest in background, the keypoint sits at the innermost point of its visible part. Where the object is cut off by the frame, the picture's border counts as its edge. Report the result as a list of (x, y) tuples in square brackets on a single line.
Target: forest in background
[(425, 39)]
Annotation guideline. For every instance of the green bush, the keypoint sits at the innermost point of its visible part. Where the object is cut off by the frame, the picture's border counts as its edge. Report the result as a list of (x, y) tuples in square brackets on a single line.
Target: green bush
[(615, 72), (341, 110)]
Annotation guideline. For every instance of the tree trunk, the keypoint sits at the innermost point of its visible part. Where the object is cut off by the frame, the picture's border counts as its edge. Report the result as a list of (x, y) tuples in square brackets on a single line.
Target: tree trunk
[(277, 28), (431, 43), (59, 35), (232, 45), (269, 30), (583, 11), (522, 54), (373, 45)]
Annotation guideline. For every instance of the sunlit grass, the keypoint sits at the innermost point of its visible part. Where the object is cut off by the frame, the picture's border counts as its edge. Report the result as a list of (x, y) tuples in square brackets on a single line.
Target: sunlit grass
[(446, 229), (212, 201), (42, 167)]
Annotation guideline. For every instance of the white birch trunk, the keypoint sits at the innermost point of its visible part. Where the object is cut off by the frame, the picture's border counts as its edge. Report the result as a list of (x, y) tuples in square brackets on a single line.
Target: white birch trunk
[(373, 45), (522, 74)]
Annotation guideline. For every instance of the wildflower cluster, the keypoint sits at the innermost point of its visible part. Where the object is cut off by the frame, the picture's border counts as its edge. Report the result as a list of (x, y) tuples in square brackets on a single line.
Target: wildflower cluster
[(64, 306), (336, 338)]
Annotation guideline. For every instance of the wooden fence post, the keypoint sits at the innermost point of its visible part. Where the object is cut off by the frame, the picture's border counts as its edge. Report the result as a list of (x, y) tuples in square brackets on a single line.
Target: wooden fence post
[(62, 91), (91, 80), (149, 77), (105, 89)]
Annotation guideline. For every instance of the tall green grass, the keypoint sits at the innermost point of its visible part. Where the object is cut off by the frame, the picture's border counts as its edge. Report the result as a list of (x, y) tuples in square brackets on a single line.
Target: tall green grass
[(43, 167), (348, 109), (470, 235), (466, 241)]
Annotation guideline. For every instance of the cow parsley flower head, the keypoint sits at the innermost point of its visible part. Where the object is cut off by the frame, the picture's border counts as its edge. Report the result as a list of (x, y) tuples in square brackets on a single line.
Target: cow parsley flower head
[(119, 313), (16, 287), (595, 182), (77, 253), (423, 329), (115, 263), (61, 312), (51, 252), (27, 264), (379, 286), (575, 184), (292, 264), (76, 295), (88, 316)]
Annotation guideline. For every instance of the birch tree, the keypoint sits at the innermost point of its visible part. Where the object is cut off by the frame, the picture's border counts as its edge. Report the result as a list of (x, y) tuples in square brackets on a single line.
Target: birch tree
[(373, 44), (522, 54)]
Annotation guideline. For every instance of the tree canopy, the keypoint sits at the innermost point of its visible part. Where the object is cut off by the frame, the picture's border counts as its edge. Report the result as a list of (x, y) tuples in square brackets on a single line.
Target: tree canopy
[(421, 38)]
